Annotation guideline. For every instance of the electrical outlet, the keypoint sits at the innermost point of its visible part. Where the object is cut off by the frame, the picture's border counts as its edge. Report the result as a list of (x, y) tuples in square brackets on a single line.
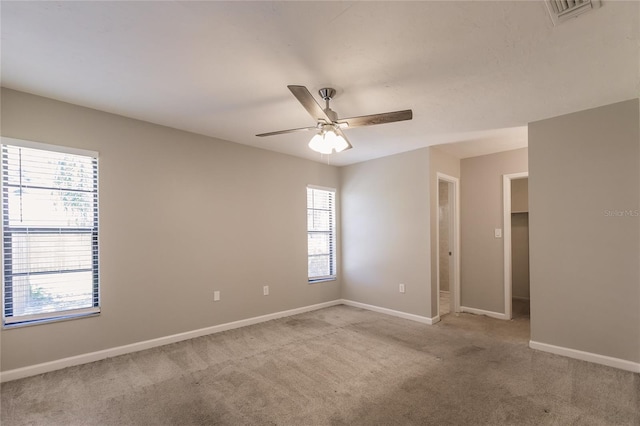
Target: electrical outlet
[(265, 290), (216, 296), (401, 288)]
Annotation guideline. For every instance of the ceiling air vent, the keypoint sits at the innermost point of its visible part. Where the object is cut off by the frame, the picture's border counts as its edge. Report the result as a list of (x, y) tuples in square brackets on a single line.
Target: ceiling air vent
[(561, 10)]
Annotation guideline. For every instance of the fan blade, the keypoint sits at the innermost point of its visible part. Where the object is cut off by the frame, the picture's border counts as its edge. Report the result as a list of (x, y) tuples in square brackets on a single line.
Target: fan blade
[(385, 117), (309, 103), (341, 133), (281, 132)]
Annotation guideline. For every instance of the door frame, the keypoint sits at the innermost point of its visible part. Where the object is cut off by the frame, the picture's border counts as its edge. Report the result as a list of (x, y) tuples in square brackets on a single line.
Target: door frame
[(454, 199), (506, 235)]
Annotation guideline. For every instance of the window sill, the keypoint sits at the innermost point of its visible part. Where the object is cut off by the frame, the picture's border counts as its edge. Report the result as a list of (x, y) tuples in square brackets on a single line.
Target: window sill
[(321, 280), (29, 323)]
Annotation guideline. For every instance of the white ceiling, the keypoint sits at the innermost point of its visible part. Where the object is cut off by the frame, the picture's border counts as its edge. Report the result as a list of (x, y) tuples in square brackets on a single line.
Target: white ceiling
[(473, 72)]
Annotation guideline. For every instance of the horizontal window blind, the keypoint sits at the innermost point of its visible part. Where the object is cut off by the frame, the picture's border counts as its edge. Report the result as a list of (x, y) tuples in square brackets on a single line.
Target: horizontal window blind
[(50, 234), (321, 238)]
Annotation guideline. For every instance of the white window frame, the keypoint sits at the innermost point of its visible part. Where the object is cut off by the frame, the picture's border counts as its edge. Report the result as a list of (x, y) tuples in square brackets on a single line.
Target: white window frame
[(331, 233), (8, 319)]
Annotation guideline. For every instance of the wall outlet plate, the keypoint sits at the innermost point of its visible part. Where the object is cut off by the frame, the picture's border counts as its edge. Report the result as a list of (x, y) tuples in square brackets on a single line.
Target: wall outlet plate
[(401, 288), (216, 296), (265, 290)]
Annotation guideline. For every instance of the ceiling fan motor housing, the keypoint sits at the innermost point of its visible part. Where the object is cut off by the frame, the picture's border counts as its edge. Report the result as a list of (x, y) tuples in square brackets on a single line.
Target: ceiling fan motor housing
[(327, 93)]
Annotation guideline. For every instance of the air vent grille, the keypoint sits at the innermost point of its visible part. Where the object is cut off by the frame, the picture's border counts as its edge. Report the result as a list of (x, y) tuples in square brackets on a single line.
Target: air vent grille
[(561, 10)]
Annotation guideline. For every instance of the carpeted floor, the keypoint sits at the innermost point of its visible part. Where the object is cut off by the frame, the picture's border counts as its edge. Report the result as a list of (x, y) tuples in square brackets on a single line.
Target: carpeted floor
[(335, 366)]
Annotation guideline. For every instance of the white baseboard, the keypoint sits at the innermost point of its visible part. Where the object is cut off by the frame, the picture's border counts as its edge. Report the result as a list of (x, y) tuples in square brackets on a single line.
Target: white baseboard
[(491, 314), (587, 356), (59, 364), (400, 314), (46, 367)]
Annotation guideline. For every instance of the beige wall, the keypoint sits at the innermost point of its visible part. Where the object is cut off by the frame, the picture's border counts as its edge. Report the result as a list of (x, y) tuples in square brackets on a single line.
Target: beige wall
[(520, 238), (520, 255), (439, 162), (481, 212), (386, 233), (584, 194), (520, 195), (181, 215)]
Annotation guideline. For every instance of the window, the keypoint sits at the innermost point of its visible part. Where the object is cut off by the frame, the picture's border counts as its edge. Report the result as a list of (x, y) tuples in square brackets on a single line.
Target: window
[(321, 233), (49, 232)]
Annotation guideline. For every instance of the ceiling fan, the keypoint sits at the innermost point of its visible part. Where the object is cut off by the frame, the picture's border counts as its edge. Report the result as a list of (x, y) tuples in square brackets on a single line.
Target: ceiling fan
[(329, 136)]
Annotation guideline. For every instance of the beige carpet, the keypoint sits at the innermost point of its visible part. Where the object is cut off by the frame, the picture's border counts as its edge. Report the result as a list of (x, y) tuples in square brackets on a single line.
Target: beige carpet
[(336, 366)]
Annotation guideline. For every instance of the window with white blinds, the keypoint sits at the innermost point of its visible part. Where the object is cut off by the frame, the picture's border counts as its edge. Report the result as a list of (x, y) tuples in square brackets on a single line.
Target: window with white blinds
[(49, 233), (321, 233)]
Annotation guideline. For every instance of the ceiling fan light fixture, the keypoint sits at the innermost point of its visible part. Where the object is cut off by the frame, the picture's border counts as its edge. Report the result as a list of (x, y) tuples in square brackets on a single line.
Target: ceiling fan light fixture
[(339, 143), (328, 141), (318, 144)]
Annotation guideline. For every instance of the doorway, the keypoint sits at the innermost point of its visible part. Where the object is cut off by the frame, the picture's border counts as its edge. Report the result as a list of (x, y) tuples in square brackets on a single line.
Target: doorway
[(516, 245), (447, 241)]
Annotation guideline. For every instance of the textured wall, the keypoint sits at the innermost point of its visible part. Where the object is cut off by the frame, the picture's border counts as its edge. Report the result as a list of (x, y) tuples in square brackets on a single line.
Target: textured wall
[(482, 258), (584, 199), (520, 238), (520, 255), (520, 195), (181, 215), (386, 232)]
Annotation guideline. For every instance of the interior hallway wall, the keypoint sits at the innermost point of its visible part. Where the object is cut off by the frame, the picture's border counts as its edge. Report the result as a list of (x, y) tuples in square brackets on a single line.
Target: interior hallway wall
[(386, 232), (181, 215), (482, 255), (584, 194)]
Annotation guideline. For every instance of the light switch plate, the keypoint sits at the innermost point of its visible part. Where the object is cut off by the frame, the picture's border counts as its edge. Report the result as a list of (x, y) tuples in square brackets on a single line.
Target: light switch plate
[(498, 233)]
